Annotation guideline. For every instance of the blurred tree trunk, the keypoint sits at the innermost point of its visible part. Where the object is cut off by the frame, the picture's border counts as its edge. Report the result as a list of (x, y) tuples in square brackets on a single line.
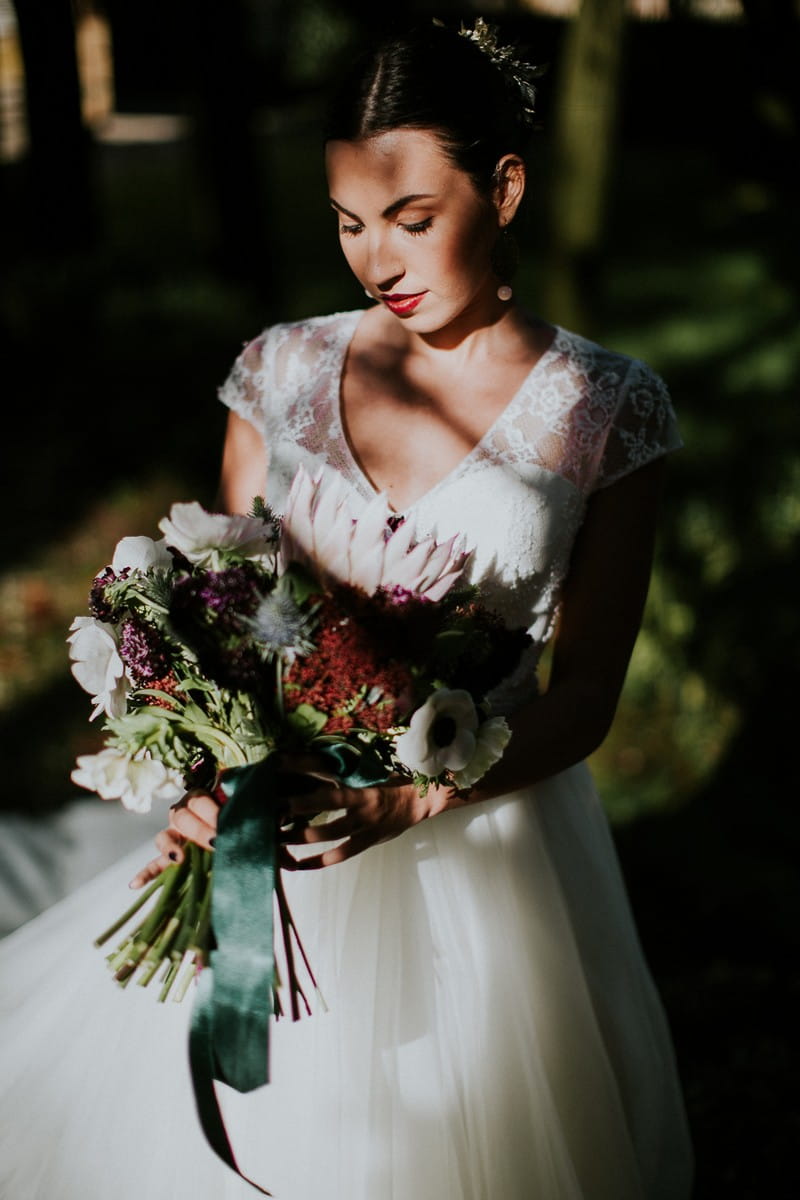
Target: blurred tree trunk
[(585, 134), (59, 205), (224, 81)]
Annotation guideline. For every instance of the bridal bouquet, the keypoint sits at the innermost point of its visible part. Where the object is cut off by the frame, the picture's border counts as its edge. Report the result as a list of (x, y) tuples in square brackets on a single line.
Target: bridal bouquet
[(235, 639)]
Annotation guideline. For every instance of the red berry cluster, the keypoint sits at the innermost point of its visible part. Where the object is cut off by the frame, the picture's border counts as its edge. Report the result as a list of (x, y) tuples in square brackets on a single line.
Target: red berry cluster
[(347, 660)]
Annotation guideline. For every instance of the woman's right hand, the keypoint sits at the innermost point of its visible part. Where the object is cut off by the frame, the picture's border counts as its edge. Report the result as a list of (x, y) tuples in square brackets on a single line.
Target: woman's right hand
[(192, 819)]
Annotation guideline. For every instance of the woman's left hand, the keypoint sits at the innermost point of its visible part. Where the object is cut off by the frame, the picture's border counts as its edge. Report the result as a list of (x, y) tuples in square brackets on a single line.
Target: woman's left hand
[(192, 819), (371, 814)]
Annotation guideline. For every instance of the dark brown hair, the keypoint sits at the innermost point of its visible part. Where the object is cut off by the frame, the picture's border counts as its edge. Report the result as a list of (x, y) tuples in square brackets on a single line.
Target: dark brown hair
[(430, 77)]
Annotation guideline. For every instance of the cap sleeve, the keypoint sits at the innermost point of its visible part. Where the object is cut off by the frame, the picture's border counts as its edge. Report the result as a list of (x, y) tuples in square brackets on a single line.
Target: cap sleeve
[(246, 388), (644, 426)]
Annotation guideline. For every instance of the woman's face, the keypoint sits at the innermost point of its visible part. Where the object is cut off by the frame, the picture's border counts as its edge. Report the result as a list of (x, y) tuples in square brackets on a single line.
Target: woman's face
[(414, 230)]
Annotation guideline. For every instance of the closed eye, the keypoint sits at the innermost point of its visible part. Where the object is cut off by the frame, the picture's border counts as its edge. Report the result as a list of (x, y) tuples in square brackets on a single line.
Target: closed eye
[(351, 230), (419, 227)]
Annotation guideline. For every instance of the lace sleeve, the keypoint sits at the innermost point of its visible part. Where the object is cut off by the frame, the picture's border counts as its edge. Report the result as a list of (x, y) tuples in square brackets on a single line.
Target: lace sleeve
[(644, 426), (245, 390)]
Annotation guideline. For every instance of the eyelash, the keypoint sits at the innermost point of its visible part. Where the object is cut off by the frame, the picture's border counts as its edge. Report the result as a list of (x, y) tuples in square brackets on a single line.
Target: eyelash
[(419, 227), (415, 230)]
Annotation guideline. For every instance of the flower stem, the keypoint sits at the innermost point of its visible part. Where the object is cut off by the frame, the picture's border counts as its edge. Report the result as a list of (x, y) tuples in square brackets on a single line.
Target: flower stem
[(289, 931), (130, 912), (175, 931), (158, 951), (174, 876), (169, 978), (191, 968)]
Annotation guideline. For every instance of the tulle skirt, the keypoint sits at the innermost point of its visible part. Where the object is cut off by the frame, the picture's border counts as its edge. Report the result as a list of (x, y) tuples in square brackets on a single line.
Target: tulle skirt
[(492, 1033)]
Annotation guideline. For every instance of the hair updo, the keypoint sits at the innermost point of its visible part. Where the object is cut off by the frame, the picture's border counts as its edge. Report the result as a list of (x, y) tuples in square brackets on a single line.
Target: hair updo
[(432, 78)]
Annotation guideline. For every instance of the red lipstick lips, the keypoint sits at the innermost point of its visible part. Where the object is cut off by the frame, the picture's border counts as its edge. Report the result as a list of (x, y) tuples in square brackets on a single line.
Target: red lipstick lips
[(402, 304)]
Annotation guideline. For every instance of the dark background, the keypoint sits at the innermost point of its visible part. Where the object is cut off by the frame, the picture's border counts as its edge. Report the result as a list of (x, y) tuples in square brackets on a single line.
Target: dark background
[(131, 272)]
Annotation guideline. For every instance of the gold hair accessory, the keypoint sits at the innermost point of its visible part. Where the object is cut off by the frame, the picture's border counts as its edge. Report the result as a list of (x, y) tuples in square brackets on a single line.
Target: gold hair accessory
[(521, 74)]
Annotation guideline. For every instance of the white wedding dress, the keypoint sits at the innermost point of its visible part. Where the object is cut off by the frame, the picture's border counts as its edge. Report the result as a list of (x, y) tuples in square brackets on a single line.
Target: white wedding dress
[(492, 1030)]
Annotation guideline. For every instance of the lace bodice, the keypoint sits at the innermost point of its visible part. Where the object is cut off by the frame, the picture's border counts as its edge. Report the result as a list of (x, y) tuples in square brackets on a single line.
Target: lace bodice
[(584, 417)]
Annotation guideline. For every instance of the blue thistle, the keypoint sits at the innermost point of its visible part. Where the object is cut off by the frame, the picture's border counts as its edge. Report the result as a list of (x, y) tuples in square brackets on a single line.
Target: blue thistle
[(281, 627)]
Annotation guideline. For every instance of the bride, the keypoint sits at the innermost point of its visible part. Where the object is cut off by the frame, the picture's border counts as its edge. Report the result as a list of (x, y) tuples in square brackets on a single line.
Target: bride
[(492, 1031)]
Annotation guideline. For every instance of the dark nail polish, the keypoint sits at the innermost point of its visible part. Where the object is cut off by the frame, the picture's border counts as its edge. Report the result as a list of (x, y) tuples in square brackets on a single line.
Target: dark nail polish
[(212, 842), (173, 854)]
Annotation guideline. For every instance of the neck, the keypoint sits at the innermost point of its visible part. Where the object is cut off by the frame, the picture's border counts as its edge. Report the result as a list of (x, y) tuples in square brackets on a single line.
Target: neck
[(504, 332)]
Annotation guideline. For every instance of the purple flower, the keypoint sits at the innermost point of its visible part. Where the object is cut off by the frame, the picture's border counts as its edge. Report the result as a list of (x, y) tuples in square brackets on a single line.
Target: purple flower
[(222, 597), (211, 611), (143, 651), (99, 604)]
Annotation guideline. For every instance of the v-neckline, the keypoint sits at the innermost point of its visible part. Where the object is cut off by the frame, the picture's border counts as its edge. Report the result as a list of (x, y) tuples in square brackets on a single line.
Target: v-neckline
[(358, 471)]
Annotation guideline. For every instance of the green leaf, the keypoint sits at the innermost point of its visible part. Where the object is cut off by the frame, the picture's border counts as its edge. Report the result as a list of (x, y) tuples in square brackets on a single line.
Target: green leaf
[(451, 643), (306, 720), (302, 583)]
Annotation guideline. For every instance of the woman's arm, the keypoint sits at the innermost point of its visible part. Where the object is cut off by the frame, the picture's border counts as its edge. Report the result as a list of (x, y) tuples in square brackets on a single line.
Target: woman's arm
[(244, 466), (601, 612)]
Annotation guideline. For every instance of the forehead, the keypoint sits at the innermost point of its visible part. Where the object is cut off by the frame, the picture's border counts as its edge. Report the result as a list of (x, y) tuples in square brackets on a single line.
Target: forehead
[(401, 161)]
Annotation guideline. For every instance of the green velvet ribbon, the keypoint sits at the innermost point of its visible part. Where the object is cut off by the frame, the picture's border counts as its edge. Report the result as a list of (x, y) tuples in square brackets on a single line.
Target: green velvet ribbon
[(229, 1034)]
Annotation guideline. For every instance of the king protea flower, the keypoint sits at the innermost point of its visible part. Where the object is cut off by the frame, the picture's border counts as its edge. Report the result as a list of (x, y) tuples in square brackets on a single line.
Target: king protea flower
[(320, 532)]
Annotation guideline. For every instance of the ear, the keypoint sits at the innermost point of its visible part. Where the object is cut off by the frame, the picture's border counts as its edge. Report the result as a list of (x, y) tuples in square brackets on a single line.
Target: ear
[(509, 187)]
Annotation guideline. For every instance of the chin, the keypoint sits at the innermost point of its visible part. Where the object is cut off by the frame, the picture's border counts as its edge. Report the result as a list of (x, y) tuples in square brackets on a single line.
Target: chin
[(475, 309)]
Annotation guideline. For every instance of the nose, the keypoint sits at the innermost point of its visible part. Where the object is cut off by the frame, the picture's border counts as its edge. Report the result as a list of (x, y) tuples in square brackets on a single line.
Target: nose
[(387, 285), (384, 268)]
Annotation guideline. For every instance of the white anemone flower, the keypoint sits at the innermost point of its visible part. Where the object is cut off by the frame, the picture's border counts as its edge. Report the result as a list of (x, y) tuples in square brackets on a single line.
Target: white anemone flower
[(492, 738), (97, 666), (140, 554), (202, 536), (319, 531), (136, 781), (441, 734)]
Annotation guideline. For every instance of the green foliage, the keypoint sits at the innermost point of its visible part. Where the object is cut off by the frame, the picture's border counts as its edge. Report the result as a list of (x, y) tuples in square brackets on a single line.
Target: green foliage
[(719, 319), (306, 721), (318, 31)]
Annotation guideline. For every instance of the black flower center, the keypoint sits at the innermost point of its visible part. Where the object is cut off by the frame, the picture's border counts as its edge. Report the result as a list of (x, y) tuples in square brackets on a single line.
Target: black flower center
[(443, 730)]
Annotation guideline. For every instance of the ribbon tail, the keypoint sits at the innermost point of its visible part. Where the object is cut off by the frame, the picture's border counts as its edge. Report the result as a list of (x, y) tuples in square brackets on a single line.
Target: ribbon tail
[(230, 1028), (204, 1071)]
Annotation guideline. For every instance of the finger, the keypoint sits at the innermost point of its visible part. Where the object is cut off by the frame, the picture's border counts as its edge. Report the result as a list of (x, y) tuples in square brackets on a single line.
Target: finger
[(306, 835), (149, 872), (191, 827), (338, 854), (171, 845), (205, 807)]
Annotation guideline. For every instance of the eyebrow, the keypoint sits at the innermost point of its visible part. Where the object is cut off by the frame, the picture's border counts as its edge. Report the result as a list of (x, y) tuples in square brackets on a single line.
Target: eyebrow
[(391, 209)]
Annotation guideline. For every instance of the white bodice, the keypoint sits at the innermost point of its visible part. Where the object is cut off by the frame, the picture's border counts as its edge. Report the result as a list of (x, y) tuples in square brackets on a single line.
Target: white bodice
[(584, 417)]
